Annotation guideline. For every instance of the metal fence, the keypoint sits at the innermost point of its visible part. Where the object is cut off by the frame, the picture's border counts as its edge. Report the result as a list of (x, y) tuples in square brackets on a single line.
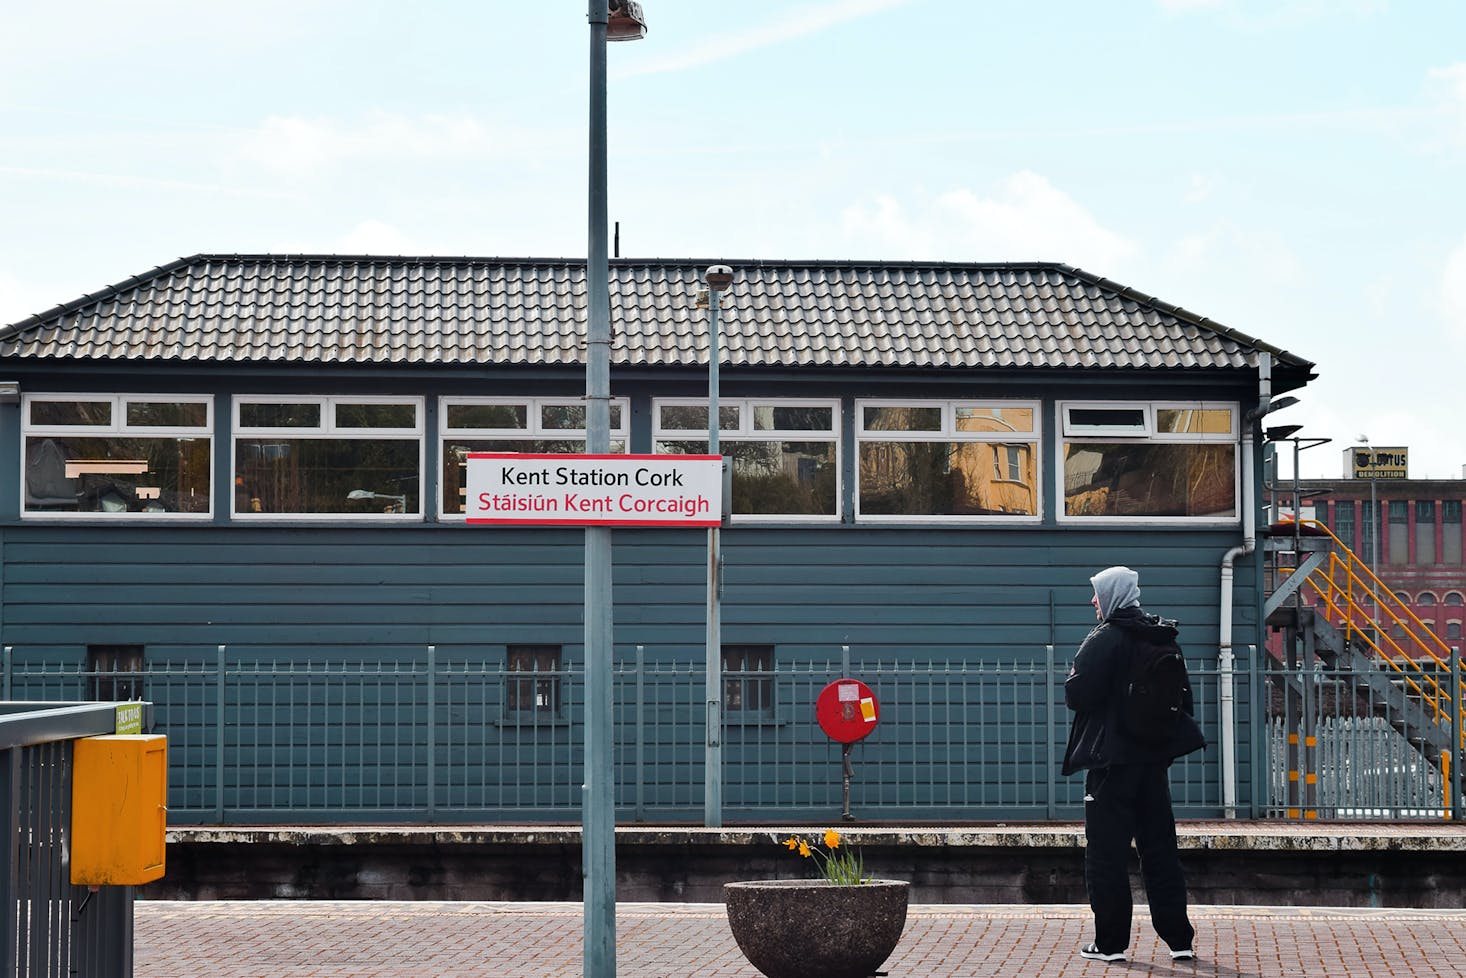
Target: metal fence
[(1337, 752), (459, 738), (52, 929)]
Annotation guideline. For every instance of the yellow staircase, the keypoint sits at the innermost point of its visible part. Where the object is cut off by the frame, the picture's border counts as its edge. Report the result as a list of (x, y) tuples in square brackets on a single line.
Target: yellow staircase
[(1353, 622)]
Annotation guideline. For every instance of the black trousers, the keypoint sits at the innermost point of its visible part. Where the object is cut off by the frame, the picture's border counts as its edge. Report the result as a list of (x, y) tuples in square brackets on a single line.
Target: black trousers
[(1125, 802)]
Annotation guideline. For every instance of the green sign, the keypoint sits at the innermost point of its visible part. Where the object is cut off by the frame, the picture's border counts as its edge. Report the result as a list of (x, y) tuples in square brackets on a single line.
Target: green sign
[(130, 718)]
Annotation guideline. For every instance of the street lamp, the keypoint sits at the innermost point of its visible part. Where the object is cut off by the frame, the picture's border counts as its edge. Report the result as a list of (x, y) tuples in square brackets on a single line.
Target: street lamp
[(613, 20), (359, 494), (1373, 509), (718, 279)]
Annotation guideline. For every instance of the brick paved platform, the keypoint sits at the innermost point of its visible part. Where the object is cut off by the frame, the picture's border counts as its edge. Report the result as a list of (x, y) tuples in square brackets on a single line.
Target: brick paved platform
[(380, 939)]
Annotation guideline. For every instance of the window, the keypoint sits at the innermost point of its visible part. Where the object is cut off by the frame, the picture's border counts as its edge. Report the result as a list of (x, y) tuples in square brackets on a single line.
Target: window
[(1344, 522), (785, 453), (1425, 531), (117, 455), (1366, 532), (962, 459), (1453, 599), (748, 681), (1399, 538), (1451, 532), (328, 456), (1453, 629), (1426, 599), (532, 683), (539, 426), (1150, 460), (114, 672)]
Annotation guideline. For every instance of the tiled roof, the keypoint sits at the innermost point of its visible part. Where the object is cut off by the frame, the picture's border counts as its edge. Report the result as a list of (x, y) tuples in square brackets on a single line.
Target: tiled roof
[(472, 311)]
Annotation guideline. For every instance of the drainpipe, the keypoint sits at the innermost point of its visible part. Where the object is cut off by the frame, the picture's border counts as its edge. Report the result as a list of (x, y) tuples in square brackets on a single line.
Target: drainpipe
[(1225, 657)]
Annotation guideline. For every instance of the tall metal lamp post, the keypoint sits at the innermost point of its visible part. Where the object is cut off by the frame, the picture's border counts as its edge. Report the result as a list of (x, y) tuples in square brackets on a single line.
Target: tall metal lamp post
[(718, 279), (610, 20)]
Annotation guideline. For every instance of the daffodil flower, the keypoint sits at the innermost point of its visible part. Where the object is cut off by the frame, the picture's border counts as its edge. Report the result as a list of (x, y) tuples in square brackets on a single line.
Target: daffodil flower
[(843, 868)]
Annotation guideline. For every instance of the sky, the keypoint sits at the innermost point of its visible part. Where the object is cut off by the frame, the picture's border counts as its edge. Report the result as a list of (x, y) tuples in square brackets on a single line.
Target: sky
[(1289, 168)]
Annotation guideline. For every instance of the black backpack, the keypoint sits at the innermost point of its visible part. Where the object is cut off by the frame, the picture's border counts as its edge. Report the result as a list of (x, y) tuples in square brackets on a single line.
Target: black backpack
[(1155, 691)]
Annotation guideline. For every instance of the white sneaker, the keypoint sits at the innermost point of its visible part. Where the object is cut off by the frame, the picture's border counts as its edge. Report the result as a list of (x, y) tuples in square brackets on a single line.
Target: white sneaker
[(1095, 954), (1185, 954)]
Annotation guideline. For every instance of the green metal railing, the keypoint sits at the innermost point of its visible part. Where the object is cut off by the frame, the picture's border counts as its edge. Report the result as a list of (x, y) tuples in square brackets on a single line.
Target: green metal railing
[(454, 737)]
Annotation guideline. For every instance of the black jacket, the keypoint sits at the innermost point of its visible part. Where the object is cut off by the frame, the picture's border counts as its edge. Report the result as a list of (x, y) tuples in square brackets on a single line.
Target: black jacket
[(1095, 692)]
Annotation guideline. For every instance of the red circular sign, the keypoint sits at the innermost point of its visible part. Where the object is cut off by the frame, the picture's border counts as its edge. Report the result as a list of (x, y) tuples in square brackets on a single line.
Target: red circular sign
[(846, 710)]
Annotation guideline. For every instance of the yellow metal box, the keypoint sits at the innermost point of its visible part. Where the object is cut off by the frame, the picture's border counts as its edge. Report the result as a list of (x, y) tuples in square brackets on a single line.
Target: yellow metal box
[(118, 809)]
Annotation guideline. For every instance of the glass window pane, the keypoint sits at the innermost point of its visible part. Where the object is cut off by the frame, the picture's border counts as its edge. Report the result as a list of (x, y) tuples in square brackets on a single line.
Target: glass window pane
[(510, 417), (1425, 531), (995, 419), (694, 417), (788, 478), (1344, 522), (376, 415), (95, 413), (793, 418), (947, 479), (1149, 480), (539, 691), (1195, 421), (261, 415), (901, 418), (117, 475), (563, 417), (1106, 419), (748, 679), (318, 475), (167, 414)]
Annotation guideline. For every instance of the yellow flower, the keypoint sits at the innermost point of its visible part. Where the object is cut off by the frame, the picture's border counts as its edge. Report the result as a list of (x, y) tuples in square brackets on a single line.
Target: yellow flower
[(803, 848), (832, 839), (792, 842)]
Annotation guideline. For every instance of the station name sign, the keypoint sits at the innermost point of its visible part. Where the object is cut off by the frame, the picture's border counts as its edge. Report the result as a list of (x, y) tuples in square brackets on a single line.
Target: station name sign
[(508, 488), (1380, 463)]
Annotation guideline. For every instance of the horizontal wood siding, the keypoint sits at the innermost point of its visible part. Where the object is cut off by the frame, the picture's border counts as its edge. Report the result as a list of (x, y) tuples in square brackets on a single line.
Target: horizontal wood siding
[(285, 601)]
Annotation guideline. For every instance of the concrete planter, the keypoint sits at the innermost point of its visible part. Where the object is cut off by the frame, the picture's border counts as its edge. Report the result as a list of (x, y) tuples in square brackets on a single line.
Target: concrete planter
[(814, 929)]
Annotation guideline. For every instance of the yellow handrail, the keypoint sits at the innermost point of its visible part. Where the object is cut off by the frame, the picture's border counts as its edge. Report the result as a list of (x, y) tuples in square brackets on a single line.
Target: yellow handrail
[(1335, 589)]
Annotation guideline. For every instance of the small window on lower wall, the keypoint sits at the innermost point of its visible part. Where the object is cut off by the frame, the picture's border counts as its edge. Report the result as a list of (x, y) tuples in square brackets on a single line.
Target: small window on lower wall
[(532, 682), (748, 682), (1177, 460), (114, 672), (113, 455)]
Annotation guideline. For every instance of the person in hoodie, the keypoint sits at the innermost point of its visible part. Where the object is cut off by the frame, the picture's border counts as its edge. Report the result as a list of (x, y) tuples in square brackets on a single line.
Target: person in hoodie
[(1127, 791)]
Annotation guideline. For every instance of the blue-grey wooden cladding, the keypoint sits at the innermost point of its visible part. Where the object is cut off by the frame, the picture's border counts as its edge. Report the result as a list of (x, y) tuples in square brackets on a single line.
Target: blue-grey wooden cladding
[(328, 709)]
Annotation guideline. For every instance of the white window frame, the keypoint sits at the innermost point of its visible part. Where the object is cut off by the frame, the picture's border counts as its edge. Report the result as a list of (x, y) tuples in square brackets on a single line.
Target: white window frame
[(534, 429), (118, 428), (949, 433), (744, 431), (328, 430), (1069, 433)]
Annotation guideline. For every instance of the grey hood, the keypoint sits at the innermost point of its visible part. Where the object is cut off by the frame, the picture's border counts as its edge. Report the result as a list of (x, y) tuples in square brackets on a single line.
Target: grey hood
[(1116, 588)]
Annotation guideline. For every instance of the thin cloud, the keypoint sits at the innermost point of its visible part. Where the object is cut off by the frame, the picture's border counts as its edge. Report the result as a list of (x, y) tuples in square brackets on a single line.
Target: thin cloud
[(1025, 218), (295, 145), (798, 23), (133, 182)]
